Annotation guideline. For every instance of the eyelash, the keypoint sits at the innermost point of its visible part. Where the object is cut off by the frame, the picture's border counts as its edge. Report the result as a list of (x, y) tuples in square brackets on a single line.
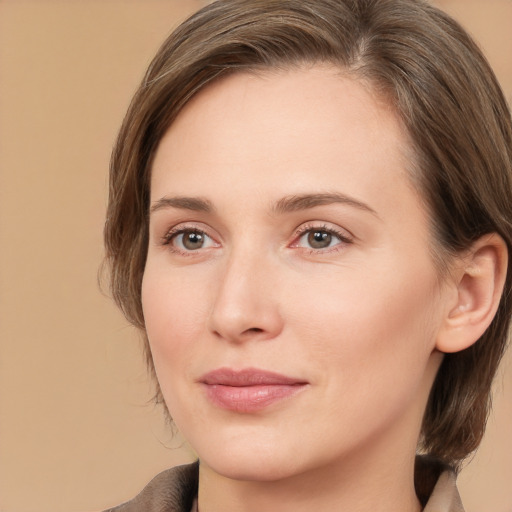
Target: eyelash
[(173, 233), (342, 236)]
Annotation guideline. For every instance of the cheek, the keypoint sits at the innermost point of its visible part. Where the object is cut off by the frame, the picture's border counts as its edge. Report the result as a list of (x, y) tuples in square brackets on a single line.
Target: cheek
[(175, 319), (368, 327), (371, 349)]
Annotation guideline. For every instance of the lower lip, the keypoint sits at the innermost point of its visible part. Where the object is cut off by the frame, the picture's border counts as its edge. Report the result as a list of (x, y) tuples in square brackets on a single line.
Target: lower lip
[(246, 399)]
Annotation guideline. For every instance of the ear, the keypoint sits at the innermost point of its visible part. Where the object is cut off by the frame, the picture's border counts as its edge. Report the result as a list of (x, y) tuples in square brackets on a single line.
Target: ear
[(479, 280)]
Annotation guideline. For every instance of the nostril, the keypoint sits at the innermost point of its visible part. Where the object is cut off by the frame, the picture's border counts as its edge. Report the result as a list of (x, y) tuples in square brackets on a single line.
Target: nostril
[(254, 330)]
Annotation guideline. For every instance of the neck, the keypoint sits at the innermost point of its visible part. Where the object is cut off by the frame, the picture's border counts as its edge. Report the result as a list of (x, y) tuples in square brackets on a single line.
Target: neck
[(359, 486)]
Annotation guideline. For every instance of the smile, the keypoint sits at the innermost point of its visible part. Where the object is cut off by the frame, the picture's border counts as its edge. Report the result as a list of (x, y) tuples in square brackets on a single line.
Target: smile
[(249, 390)]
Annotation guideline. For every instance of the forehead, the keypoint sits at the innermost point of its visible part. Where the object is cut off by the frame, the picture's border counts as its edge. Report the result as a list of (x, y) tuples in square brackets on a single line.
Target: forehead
[(299, 127)]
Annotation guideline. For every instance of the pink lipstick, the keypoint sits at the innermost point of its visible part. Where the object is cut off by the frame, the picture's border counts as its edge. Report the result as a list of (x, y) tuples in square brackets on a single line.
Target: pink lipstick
[(248, 390)]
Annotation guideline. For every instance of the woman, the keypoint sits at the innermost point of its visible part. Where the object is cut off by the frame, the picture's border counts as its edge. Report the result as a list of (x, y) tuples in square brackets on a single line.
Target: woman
[(310, 222)]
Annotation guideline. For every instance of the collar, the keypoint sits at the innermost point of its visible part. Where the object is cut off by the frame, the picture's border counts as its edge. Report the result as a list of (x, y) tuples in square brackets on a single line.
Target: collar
[(445, 497)]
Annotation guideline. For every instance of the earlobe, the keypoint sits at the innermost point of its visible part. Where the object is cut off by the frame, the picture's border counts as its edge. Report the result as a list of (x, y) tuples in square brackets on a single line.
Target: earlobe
[(479, 285)]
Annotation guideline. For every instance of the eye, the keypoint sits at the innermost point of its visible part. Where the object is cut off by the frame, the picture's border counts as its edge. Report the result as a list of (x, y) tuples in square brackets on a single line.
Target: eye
[(187, 240), (320, 238)]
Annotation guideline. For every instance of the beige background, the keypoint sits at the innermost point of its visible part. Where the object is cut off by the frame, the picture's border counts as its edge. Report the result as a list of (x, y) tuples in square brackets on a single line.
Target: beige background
[(76, 433)]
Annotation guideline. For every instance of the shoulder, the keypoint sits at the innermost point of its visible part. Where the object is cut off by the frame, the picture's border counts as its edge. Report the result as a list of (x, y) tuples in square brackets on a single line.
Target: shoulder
[(172, 490)]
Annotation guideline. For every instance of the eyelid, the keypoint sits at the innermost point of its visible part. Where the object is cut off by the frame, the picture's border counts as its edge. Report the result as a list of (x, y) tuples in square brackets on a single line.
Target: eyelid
[(184, 227), (343, 235)]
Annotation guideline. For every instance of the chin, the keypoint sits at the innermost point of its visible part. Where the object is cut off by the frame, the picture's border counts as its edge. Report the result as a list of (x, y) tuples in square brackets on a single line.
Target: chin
[(253, 468), (248, 460)]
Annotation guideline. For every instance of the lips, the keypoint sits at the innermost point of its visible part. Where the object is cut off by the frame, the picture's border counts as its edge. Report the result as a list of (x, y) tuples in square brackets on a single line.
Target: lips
[(249, 390)]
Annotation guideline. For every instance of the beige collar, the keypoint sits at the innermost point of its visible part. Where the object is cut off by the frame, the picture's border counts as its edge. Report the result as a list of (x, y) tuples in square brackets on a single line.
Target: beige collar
[(445, 497)]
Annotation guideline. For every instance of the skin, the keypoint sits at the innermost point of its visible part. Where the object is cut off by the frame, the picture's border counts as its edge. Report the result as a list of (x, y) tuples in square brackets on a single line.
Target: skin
[(358, 319)]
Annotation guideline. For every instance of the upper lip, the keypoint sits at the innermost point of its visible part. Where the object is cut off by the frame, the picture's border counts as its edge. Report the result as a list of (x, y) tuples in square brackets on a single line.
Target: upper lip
[(247, 377)]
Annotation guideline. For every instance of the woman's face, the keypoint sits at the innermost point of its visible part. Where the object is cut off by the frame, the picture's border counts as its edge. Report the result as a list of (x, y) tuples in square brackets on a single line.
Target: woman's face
[(290, 298)]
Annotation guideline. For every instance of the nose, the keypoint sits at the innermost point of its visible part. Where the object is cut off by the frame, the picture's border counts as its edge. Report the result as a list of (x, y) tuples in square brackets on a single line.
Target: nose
[(246, 300)]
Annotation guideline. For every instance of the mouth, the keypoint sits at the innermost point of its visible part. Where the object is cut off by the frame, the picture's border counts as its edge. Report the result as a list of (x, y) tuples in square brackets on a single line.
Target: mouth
[(249, 390)]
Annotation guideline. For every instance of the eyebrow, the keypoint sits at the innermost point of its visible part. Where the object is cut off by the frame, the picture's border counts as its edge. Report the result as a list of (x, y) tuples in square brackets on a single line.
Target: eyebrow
[(295, 203), (197, 204), (292, 203)]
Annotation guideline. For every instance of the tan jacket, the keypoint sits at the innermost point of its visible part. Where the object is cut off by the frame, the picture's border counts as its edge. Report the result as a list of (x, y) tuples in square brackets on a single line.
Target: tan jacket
[(175, 490)]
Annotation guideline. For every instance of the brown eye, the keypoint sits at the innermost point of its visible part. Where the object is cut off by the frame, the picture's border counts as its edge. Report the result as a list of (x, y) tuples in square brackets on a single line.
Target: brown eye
[(319, 239), (322, 239), (191, 240)]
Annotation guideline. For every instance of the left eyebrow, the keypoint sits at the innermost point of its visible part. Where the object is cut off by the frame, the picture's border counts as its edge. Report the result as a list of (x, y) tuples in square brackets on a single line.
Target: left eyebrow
[(197, 204), (295, 203)]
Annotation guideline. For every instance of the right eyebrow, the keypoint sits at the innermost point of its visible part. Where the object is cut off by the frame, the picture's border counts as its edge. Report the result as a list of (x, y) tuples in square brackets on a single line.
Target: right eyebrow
[(306, 201), (197, 204)]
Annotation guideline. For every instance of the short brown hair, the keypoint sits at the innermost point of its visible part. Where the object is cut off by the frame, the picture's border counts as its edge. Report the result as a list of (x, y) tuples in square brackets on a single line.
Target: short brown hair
[(439, 83)]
